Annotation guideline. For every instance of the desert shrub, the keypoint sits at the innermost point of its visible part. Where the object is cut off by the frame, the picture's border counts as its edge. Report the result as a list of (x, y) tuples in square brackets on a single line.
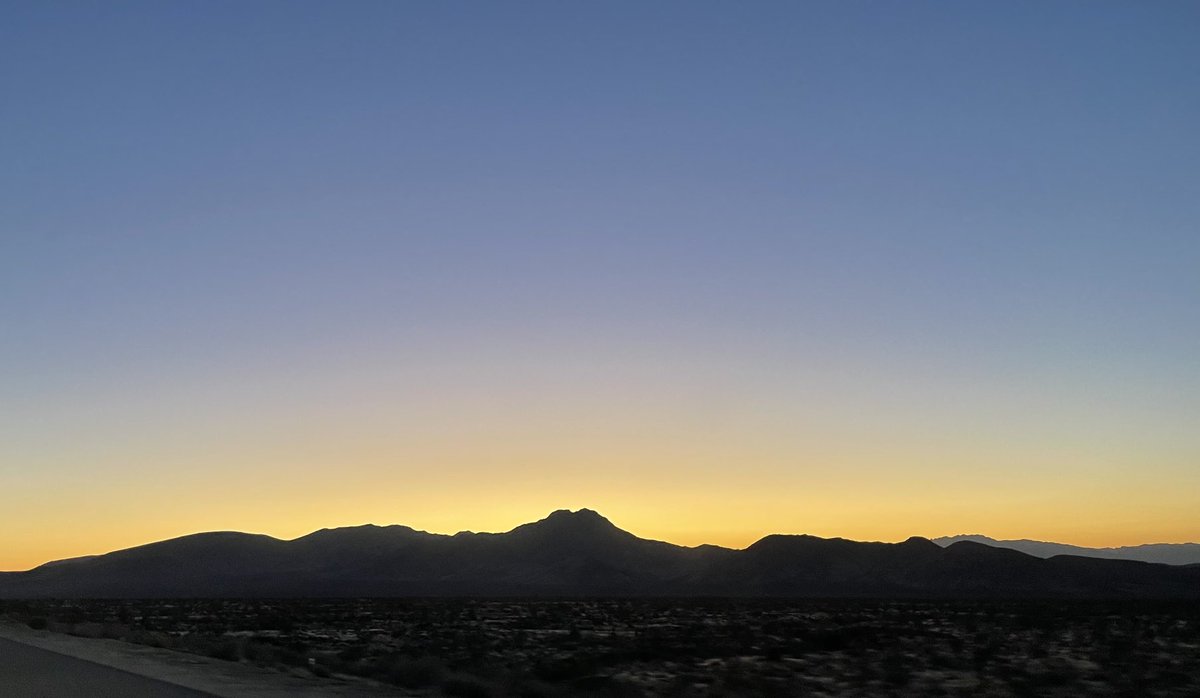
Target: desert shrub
[(572, 667), (985, 650), (897, 669), (353, 653), (37, 623), (259, 652), (411, 672), (228, 649), (88, 630), (527, 687), (291, 656), (151, 638), (466, 687), (332, 663)]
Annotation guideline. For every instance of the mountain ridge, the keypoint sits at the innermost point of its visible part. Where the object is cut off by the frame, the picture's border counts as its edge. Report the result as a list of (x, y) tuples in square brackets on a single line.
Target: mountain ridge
[(1164, 553), (571, 554)]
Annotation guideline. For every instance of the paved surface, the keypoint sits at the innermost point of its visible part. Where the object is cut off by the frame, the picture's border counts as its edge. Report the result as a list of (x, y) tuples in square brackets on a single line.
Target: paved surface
[(30, 672), (181, 673)]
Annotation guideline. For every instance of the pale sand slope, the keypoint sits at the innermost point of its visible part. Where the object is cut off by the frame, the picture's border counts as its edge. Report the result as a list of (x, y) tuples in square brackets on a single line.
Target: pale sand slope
[(213, 676)]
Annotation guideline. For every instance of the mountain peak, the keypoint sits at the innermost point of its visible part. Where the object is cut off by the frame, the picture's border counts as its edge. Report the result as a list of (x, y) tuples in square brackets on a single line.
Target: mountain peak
[(564, 522), (582, 519), (581, 515)]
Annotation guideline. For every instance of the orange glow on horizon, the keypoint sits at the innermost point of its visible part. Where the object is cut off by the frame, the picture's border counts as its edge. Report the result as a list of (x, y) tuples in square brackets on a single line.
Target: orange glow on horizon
[(680, 524)]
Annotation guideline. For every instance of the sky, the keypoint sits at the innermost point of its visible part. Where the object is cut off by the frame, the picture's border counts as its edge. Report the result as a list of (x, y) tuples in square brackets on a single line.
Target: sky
[(714, 269)]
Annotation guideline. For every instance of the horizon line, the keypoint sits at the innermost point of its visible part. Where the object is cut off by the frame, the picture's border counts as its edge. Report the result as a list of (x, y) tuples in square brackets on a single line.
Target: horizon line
[(585, 510)]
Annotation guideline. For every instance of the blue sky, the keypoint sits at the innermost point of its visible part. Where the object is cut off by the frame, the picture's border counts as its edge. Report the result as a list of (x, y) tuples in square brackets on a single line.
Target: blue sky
[(890, 236)]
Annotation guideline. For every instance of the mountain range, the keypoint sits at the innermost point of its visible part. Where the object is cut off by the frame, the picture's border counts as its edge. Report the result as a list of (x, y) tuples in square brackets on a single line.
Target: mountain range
[(582, 553), (1166, 553)]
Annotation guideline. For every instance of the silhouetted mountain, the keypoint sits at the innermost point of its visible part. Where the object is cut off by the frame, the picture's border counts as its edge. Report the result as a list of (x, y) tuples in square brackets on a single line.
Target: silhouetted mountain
[(68, 561), (1165, 553), (581, 554)]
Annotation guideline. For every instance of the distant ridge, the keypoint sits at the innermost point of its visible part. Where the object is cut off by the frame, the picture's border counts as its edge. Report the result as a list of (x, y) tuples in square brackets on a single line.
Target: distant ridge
[(1165, 553), (582, 553)]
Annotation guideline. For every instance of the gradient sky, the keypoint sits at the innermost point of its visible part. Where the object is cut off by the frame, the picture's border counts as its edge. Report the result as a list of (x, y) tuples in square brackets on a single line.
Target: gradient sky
[(713, 269)]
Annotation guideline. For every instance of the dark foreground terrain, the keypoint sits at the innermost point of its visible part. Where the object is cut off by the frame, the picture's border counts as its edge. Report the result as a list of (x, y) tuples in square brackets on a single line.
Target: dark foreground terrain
[(29, 672), (678, 648)]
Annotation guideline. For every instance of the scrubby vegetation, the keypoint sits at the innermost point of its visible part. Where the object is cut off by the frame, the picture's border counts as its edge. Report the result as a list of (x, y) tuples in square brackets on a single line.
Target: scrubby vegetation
[(493, 648)]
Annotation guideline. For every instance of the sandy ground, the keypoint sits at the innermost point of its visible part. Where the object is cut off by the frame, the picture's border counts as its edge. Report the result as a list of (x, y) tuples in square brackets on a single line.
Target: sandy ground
[(204, 674)]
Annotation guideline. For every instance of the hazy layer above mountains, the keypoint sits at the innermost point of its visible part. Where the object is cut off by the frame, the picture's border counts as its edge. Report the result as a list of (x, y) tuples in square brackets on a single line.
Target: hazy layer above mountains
[(1165, 553), (582, 554)]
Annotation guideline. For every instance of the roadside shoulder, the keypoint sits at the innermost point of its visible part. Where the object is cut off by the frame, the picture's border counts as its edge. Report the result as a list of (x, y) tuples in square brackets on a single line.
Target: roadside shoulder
[(218, 677)]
